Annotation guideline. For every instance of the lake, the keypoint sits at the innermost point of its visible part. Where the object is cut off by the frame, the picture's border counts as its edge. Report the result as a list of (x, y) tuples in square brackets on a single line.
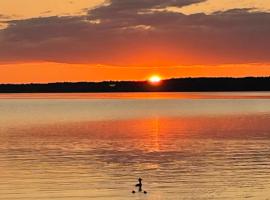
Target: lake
[(96, 146)]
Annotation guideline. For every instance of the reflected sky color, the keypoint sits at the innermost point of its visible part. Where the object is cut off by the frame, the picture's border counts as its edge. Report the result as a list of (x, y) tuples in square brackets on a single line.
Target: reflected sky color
[(50, 108), (87, 149)]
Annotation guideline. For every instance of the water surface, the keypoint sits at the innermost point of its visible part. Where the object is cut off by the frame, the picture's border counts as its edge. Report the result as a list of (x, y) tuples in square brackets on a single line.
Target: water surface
[(95, 146)]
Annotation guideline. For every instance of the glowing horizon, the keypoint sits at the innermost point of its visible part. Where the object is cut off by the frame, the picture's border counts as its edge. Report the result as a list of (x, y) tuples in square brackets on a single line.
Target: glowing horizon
[(89, 40), (59, 72)]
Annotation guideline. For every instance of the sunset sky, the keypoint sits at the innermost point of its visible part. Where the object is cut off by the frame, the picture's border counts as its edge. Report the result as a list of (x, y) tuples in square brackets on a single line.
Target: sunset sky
[(96, 40)]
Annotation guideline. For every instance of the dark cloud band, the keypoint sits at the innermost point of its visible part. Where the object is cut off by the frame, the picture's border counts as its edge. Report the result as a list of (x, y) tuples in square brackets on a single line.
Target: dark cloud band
[(134, 32)]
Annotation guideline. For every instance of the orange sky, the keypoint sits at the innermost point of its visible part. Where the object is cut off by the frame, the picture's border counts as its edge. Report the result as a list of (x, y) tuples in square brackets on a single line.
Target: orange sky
[(89, 40), (56, 72)]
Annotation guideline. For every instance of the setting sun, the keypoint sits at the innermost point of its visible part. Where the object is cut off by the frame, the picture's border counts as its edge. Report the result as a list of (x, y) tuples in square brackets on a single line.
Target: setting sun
[(155, 79)]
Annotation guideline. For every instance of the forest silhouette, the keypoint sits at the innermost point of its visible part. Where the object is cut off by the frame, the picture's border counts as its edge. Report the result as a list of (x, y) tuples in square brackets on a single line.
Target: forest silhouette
[(169, 85)]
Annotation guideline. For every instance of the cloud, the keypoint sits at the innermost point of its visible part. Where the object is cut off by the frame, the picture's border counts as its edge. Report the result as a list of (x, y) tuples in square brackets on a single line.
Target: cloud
[(140, 33), (4, 16)]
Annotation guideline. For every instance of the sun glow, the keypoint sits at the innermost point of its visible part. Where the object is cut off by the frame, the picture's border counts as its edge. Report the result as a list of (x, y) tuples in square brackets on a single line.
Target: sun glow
[(155, 79)]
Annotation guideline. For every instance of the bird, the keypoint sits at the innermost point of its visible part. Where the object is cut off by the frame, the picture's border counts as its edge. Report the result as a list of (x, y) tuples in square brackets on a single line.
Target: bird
[(139, 185)]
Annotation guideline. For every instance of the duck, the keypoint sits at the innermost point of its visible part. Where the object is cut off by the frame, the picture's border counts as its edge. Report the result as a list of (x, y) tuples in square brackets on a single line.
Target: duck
[(139, 185)]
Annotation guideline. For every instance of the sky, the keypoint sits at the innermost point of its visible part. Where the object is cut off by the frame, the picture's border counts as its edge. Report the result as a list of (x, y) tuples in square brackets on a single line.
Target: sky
[(96, 40)]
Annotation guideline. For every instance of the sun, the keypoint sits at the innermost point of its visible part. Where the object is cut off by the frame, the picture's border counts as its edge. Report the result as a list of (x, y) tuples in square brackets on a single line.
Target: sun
[(154, 79)]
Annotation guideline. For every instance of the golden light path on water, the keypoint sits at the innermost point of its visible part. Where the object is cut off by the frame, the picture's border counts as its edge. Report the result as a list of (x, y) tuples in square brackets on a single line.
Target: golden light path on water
[(97, 147)]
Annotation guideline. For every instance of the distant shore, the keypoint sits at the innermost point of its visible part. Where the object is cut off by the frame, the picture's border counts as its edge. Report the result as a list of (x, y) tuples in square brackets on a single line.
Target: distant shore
[(170, 85)]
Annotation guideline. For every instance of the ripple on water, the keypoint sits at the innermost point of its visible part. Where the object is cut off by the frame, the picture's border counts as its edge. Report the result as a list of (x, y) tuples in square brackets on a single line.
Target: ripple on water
[(224, 156)]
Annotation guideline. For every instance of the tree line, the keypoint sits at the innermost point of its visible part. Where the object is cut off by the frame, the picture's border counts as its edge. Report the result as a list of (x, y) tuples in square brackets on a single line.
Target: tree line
[(170, 85)]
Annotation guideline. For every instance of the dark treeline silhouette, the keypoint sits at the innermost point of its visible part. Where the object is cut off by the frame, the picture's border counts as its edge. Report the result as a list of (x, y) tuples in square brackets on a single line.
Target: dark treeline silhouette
[(170, 85)]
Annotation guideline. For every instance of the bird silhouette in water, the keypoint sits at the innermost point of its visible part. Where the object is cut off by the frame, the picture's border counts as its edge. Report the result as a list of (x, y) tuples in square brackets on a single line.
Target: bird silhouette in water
[(139, 186)]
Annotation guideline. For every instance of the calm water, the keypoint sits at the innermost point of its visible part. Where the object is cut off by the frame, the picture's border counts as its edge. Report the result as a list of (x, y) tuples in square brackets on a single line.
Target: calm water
[(95, 146)]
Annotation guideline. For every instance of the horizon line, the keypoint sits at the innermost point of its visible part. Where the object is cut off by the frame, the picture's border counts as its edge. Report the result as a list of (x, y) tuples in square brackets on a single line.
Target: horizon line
[(117, 81)]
